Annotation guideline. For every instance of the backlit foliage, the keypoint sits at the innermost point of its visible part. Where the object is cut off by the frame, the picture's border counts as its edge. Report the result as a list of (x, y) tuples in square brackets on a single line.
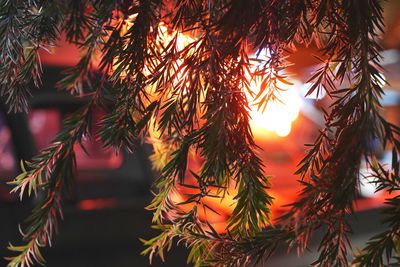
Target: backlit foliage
[(179, 73)]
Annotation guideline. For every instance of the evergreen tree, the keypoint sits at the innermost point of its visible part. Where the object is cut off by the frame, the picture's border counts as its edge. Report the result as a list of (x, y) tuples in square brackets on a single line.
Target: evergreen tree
[(192, 94)]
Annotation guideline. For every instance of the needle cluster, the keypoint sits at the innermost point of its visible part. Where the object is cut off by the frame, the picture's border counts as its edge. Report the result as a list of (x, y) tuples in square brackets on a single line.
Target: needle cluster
[(179, 73)]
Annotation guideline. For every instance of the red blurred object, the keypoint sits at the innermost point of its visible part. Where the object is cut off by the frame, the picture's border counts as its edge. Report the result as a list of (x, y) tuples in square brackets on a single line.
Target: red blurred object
[(101, 203), (7, 161), (46, 123), (65, 54)]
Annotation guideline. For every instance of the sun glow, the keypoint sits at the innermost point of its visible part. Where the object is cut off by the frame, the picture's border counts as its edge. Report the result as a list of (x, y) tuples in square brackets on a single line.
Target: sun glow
[(275, 120), (277, 117), (278, 114)]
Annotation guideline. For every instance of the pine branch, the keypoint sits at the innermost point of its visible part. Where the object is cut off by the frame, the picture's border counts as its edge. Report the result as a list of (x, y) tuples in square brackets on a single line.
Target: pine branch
[(119, 128), (24, 28), (189, 232), (78, 23), (332, 165), (48, 172), (224, 106), (80, 76), (193, 93), (382, 249)]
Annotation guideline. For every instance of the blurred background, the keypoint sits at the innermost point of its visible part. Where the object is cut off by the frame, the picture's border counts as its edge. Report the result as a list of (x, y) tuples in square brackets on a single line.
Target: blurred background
[(105, 215)]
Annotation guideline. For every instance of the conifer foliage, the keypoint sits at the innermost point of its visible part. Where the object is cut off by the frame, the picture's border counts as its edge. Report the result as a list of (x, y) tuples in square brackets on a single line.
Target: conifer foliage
[(191, 97)]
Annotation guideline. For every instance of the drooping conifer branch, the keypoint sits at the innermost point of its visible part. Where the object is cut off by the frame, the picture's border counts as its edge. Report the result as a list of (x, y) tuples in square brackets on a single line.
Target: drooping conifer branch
[(194, 94), (332, 182), (25, 27), (49, 172), (125, 56)]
